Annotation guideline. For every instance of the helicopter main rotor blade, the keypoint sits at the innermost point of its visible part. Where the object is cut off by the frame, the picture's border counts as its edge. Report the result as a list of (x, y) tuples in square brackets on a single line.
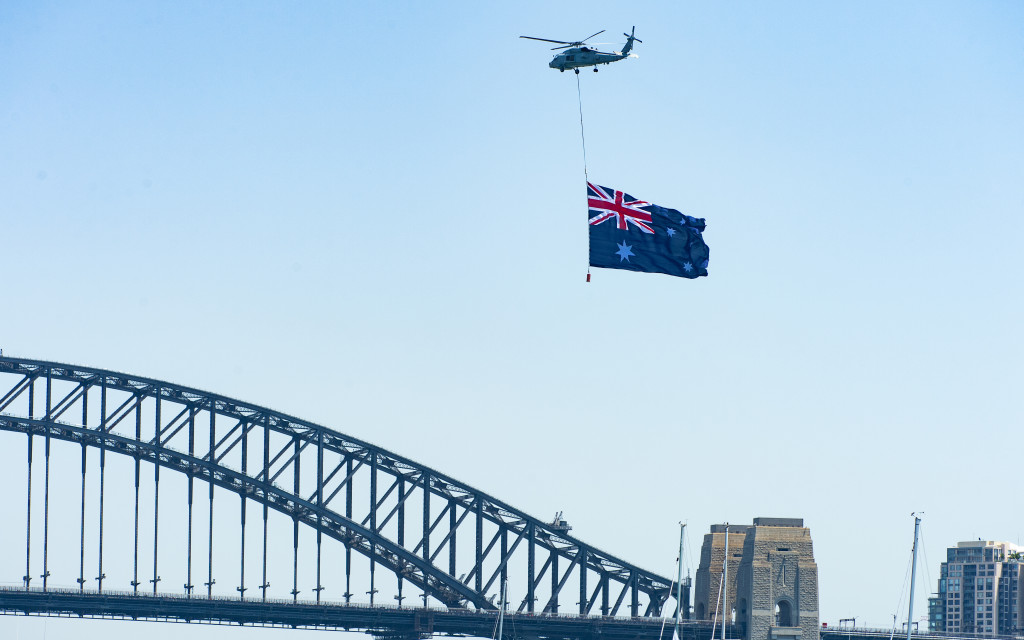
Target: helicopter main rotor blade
[(547, 40), (591, 36)]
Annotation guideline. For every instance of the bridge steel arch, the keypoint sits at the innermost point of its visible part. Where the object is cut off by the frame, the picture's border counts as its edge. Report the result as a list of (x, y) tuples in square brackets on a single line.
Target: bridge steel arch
[(253, 451)]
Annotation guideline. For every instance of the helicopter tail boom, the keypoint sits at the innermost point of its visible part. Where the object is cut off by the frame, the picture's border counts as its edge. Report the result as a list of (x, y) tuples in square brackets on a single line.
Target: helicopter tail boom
[(630, 37)]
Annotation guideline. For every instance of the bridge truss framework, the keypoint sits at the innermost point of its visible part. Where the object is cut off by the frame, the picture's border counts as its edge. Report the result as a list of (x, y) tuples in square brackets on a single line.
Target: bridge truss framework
[(452, 543)]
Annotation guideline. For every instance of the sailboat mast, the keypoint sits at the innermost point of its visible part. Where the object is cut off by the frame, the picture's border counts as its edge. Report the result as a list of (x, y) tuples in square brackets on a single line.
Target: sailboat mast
[(725, 579), (913, 577), (501, 611), (679, 580)]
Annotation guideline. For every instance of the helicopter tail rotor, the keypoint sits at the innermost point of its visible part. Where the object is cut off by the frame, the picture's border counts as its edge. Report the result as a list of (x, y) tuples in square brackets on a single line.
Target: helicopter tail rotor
[(630, 39)]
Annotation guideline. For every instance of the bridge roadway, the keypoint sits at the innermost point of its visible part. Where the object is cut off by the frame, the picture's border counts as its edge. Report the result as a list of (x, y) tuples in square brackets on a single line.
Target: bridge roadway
[(391, 622), (382, 621)]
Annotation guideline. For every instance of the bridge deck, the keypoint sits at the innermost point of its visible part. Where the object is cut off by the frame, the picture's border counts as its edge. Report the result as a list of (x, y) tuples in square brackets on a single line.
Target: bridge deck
[(380, 621)]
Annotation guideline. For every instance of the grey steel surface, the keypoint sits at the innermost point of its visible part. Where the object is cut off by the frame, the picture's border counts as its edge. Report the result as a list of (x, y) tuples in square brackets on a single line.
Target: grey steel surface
[(422, 555), (382, 621)]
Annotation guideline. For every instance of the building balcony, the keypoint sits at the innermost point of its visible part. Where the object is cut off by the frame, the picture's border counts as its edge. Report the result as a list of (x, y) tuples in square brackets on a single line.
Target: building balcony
[(776, 632)]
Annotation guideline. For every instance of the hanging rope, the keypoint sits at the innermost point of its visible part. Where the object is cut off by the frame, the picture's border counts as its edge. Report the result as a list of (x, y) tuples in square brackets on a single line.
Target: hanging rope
[(661, 634), (583, 137), (586, 176), (899, 605), (721, 584)]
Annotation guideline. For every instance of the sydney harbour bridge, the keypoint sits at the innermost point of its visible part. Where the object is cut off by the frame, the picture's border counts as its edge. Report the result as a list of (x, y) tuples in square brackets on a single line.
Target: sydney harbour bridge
[(148, 500)]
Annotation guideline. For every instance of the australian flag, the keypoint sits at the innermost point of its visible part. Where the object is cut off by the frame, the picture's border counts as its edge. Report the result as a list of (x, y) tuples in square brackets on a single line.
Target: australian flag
[(626, 233)]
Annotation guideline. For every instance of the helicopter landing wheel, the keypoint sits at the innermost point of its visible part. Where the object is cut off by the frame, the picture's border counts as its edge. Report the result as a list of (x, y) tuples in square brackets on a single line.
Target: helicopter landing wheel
[(577, 71), (595, 69)]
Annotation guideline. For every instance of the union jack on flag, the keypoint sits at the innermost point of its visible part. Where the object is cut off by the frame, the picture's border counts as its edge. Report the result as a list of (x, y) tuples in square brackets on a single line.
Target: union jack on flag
[(610, 203)]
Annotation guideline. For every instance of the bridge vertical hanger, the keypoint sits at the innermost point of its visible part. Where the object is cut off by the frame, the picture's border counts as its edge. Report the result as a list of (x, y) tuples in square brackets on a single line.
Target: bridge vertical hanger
[(478, 508), (245, 470), (295, 523), (453, 530), (425, 541), (319, 504), (138, 438), (103, 471), (348, 514), (583, 583), (156, 497), (28, 509), (191, 479), (81, 543), (605, 594), (634, 600), (531, 564), (209, 546), (266, 475), (504, 564), (401, 530), (552, 605), (46, 489), (373, 525)]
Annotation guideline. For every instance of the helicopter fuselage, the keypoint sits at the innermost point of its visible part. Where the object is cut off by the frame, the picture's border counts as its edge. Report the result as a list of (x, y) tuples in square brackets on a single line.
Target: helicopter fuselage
[(577, 57)]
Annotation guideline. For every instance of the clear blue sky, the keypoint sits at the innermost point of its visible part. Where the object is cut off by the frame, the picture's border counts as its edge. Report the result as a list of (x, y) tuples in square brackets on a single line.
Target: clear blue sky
[(370, 215)]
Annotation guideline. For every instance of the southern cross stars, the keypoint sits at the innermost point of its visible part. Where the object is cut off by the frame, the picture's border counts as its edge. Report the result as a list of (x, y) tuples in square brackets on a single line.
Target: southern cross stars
[(624, 251)]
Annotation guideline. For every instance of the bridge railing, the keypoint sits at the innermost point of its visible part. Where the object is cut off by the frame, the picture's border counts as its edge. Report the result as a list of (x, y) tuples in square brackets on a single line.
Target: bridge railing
[(69, 590), (870, 632)]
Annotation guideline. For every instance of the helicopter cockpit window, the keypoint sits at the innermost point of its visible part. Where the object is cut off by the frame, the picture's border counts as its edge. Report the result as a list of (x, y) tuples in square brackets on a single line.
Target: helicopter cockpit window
[(570, 58)]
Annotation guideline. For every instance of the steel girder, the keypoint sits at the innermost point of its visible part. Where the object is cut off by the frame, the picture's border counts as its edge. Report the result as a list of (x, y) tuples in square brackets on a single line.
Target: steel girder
[(395, 483), (387, 622)]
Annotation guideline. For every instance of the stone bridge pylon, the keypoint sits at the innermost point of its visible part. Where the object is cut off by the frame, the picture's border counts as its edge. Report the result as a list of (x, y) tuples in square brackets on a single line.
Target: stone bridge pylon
[(768, 584)]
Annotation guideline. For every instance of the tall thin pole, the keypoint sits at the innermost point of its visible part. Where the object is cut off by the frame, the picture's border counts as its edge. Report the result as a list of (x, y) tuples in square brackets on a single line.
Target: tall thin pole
[(679, 580), (913, 577), (501, 611), (725, 580)]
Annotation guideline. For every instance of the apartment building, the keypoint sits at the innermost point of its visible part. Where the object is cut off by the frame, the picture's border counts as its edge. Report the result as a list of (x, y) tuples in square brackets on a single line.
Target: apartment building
[(979, 590)]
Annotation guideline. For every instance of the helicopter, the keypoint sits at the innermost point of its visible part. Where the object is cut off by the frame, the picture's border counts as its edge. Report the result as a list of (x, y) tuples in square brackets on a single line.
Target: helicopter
[(578, 55)]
